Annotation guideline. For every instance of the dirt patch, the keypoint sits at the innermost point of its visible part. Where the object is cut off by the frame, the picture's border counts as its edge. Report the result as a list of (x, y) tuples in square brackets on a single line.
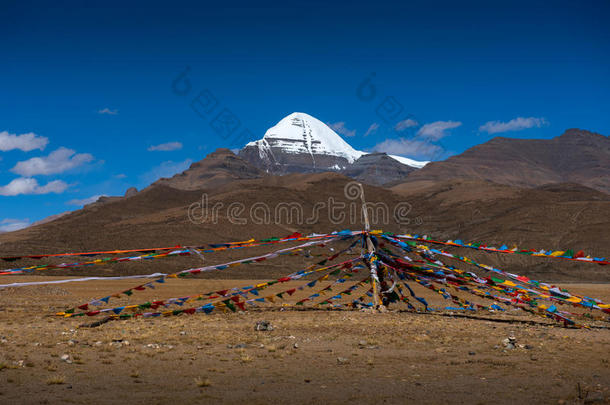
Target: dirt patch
[(309, 356)]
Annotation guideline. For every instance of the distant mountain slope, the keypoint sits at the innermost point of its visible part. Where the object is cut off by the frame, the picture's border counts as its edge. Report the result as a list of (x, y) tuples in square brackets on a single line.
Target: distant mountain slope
[(219, 167), (550, 217), (577, 156), (547, 217), (378, 169)]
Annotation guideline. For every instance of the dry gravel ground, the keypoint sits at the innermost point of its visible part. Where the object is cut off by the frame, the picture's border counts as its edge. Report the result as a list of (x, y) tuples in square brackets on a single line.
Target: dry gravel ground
[(310, 356)]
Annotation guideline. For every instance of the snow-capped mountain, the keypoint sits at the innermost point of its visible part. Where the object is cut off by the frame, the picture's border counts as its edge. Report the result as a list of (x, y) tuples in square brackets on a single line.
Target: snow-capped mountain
[(301, 133), (302, 143)]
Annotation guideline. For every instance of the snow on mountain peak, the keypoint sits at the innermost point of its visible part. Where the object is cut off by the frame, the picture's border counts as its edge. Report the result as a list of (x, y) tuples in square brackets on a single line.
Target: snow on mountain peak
[(409, 162), (302, 133)]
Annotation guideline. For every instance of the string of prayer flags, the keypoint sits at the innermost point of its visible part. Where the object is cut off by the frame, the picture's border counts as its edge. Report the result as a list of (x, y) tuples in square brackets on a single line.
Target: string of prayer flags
[(567, 254), (150, 254), (397, 266), (248, 289)]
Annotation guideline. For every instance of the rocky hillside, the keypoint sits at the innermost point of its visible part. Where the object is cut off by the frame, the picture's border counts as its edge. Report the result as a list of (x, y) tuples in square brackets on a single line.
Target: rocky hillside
[(577, 156)]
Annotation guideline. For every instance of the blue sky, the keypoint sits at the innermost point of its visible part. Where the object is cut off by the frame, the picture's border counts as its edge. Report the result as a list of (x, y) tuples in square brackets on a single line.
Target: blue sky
[(91, 104)]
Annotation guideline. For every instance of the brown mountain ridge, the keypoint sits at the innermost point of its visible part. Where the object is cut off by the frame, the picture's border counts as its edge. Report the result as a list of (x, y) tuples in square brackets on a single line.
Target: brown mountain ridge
[(577, 156), (561, 216)]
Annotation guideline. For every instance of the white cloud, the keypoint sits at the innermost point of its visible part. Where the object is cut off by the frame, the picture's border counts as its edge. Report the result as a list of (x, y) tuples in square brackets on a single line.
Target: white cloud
[(108, 111), (165, 169), (11, 224), (372, 129), (339, 127), (58, 161), (25, 142), (165, 147), (437, 130), (84, 201), (408, 147), (408, 123), (516, 124), (23, 185), (120, 176)]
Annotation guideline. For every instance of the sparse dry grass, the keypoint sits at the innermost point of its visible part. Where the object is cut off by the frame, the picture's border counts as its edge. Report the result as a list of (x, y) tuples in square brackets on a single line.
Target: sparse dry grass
[(7, 366), (56, 379), (430, 350), (202, 382)]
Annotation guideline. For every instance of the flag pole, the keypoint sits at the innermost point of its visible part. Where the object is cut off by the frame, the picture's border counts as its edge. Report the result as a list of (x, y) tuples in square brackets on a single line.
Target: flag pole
[(370, 250)]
